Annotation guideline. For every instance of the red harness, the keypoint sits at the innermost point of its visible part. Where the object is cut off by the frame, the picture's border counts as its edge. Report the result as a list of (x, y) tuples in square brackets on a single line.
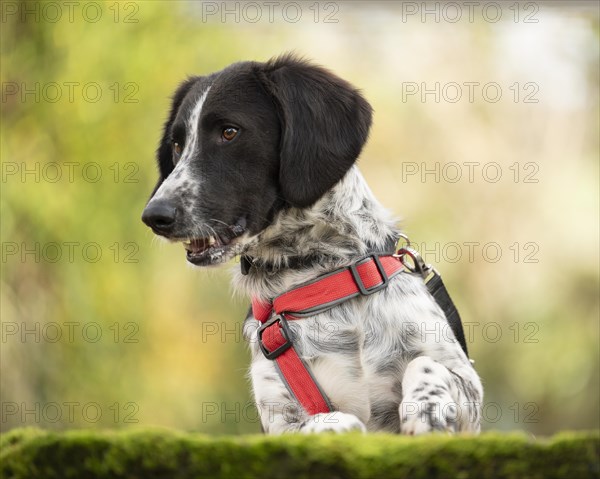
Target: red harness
[(365, 277)]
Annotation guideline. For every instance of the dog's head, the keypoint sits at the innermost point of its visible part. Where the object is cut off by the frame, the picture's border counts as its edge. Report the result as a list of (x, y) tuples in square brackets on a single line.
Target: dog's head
[(244, 143)]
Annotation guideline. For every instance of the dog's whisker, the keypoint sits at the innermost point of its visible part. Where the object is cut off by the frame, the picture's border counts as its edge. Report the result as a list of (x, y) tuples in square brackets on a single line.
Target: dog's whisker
[(219, 221)]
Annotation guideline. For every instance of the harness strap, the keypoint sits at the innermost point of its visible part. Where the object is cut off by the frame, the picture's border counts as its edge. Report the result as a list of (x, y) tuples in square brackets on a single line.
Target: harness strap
[(438, 290), (295, 373), (365, 277)]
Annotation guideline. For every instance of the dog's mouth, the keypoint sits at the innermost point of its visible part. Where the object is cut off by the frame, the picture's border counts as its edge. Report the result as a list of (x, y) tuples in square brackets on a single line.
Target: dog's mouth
[(216, 248), (202, 251)]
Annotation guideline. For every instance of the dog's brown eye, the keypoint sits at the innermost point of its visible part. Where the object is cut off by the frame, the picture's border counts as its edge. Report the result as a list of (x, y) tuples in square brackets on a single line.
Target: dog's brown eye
[(229, 133)]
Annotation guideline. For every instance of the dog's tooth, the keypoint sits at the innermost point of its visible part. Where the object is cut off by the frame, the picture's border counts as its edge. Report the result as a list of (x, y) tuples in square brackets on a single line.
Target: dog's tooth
[(211, 240)]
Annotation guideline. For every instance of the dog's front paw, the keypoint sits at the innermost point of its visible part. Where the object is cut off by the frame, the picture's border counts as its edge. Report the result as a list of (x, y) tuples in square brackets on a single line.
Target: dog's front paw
[(433, 414), (427, 405), (332, 422)]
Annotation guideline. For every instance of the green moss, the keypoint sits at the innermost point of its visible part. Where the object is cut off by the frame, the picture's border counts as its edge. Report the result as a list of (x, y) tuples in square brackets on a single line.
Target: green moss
[(156, 453)]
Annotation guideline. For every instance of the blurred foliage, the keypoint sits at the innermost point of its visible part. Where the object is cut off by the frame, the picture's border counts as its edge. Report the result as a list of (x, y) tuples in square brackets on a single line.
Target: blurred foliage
[(186, 366)]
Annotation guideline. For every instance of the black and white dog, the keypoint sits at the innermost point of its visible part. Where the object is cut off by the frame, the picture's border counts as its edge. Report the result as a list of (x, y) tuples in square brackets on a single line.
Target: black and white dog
[(258, 159)]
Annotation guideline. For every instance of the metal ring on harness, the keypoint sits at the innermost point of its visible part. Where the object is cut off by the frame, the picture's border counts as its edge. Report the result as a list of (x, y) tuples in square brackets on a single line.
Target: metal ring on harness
[(418, 265)]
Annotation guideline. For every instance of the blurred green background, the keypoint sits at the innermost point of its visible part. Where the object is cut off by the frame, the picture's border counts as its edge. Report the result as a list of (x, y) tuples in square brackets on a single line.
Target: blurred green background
[(105, 326)]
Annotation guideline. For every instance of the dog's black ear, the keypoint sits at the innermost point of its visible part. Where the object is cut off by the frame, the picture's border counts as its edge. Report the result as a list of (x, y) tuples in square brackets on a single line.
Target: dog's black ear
[(325, 123), (164, 153)]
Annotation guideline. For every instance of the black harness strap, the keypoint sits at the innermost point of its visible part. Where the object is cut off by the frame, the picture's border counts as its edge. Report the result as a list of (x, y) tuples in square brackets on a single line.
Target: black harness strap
[(438, 290)]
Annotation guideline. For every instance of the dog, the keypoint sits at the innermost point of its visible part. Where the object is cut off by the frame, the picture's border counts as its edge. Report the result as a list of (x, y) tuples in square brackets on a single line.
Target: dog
[(258, 160)]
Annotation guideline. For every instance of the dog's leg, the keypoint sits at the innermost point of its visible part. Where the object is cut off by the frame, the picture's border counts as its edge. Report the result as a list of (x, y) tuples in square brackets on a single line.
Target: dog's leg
[(280, 412), (277, 409), (437, 398)]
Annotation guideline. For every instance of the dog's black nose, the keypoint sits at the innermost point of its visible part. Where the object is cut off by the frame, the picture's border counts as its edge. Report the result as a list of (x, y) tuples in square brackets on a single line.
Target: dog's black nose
[(160, 216)]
